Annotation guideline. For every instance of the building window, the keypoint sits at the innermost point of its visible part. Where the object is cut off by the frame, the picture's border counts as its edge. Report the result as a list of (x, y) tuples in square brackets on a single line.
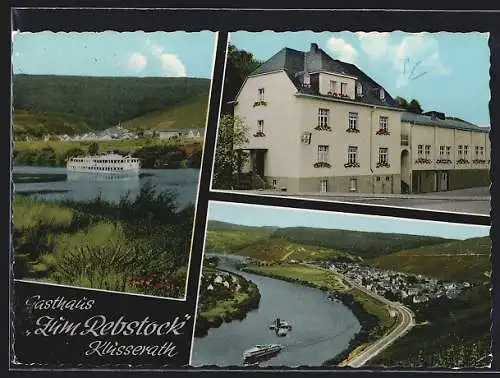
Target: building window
[(323, 117), (323, 154), (260, 126), (466, 150), (460, 150), (383, 123), (353, 184), (333, 86), (387, 178), (441, 151), (378, 178), (359, 89), (274, 183), (427, 150), (482, 150), (307, 80), (448, 150), (353, 121), (352, 154), (420, 149), (383, 157), (323, 186), (382, 94), (343, 89), (261, 94), (477, 150)]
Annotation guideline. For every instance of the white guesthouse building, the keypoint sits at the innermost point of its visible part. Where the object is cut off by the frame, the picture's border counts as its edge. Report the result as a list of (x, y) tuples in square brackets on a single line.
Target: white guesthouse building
[(321, 125)]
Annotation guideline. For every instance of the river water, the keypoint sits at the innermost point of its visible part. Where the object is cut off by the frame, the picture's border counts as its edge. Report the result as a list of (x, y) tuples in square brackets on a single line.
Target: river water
[(83, 186), (321, 329)]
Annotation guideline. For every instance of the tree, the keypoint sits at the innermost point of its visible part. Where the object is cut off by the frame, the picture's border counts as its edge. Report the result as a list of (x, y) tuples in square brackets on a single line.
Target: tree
[(233, 133), (93, 148), (414, 107), (402, 101), (239, 65)]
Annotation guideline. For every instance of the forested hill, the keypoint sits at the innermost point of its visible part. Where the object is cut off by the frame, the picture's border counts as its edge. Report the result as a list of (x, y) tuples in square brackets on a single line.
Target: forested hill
[(102, 102), (363, 244)]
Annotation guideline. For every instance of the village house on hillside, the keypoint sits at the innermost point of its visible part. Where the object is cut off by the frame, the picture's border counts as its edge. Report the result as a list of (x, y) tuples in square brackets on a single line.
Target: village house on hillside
[(173, 133), (321, 125)]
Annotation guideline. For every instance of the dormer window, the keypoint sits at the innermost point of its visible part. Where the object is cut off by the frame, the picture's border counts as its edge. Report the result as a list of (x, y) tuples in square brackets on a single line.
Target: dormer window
[(359, 89), (382, 94), (307, 80)]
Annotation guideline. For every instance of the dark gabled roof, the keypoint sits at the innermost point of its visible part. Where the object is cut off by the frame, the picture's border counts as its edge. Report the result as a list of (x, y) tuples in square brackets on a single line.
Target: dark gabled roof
[(295, 63), (449, 123)]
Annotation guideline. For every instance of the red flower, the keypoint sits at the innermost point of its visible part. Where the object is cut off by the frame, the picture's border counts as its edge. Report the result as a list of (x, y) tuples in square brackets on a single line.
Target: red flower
[(158, 285)]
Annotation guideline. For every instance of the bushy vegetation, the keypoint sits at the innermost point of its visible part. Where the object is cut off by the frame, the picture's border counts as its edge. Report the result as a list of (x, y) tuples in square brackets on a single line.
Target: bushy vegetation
[(139, 244), (75, 103)]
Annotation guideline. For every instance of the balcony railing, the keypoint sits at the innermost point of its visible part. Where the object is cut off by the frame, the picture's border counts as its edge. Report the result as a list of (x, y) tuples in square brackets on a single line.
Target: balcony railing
[(405, 140)]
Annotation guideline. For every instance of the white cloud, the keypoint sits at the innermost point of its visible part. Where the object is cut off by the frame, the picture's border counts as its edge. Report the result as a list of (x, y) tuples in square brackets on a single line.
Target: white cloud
[(137, 62), (171, 65), (415, 56), (342, 50), (374, 44)]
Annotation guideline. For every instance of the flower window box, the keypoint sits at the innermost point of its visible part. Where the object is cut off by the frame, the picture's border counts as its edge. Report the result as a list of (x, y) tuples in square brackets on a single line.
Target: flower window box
[(444, 161), (462, 161), (422, 160), (259, 134), (351, 130), (323, 128), (382, 132), (479, 161), (259, 103), (383, 164), (352, 165), (321, 164)]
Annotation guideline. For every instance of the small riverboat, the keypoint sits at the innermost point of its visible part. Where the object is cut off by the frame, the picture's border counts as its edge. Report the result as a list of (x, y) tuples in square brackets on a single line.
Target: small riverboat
[(109, 163), (280, 324), (262, 351)]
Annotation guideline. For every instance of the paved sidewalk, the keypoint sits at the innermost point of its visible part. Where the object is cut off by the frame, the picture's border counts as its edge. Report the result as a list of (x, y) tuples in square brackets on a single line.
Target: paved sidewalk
[(470, 201)]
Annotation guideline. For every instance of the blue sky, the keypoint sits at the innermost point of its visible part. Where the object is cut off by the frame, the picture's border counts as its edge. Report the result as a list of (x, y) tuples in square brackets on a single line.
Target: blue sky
[(114, 54), (255, 215), (448, 72)]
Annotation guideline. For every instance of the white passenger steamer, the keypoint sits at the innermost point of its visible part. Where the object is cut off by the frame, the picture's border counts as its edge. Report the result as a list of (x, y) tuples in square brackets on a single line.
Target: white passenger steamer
[(110, 164)]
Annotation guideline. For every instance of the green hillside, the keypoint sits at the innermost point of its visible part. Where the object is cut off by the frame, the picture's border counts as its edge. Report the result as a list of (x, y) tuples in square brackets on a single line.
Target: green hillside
[(455, 334), (188, 114), (363, 244), (101, 102), (270, 243), (456, 260)]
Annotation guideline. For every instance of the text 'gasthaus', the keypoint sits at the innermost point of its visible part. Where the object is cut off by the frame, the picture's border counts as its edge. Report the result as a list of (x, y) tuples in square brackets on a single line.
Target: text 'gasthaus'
[(99, 325)]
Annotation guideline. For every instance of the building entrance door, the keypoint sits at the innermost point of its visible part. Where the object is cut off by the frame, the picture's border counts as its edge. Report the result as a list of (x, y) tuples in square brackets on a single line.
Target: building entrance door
[(444, 181)]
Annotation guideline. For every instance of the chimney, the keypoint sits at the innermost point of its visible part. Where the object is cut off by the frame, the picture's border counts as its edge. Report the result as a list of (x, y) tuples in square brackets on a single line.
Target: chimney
[(314, 47)]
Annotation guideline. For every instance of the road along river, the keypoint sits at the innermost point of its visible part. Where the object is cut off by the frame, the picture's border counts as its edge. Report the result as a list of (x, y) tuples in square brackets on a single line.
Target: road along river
[(321, 328)]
